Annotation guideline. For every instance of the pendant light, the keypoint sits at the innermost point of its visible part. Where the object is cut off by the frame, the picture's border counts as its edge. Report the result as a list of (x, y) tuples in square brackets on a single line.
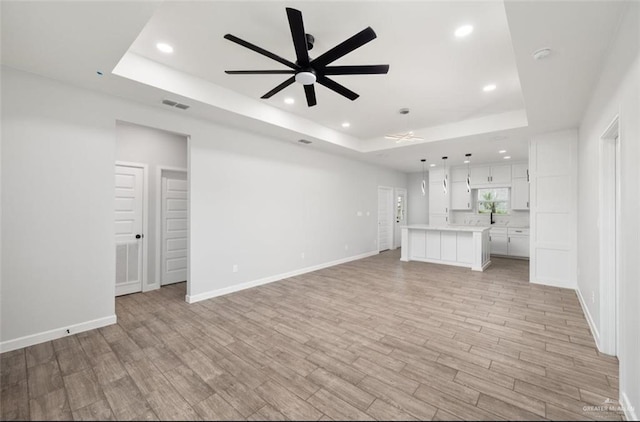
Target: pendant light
[(444, 179), (423, 185), (404, 136), (468, 160)]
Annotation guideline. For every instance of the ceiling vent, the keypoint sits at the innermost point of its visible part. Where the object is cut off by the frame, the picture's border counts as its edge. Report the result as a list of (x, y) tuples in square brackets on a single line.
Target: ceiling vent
[(304, 141), (175, 104)]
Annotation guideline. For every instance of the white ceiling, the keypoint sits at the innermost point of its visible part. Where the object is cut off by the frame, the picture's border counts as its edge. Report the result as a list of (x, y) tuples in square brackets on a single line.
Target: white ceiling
[(437, 76)]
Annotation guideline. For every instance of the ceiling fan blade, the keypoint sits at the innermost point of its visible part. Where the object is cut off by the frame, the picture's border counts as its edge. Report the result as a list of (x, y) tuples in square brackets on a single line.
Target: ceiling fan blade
[(334, 86), (279, 88), (344, 48), (259, 72), (375, 69), (299, 38), (262, 51), (310, 92)]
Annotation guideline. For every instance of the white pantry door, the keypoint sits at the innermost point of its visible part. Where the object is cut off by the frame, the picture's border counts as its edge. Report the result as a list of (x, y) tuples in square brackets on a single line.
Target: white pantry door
[(175, 232), (385, 218), (128, 226)]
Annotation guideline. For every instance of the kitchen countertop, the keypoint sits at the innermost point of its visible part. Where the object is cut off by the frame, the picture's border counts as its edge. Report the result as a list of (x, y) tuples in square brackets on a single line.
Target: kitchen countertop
[(455, 228)]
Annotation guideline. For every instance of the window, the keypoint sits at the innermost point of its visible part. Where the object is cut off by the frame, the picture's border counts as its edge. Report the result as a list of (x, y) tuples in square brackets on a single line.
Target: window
[(493, 199), (399, 209)]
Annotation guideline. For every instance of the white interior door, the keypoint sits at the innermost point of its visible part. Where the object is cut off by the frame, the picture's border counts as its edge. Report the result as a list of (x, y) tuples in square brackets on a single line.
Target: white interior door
[(175, 232), (385, 218), (400, 215), (128, 229)]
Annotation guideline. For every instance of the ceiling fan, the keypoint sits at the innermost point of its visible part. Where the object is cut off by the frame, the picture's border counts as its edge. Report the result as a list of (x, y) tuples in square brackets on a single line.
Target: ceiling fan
[(307, 71)]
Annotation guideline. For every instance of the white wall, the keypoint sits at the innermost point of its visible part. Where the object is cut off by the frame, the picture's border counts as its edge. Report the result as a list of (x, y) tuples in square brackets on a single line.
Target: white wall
[(156, 148), (57, 209), (553, 165), (617, 93), (417, 204), (255, 201)]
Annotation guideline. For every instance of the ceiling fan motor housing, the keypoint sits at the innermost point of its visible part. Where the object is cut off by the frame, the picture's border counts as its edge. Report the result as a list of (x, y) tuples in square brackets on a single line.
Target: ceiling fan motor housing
[(310, 40)]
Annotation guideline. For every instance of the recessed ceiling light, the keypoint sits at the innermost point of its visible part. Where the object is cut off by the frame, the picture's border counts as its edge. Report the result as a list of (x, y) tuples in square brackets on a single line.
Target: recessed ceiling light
[(507, 157), (502, 151), (289, 101), (541, 54), (346, 124), (463, 31), (489, 87), (432, 165), (164, 47)]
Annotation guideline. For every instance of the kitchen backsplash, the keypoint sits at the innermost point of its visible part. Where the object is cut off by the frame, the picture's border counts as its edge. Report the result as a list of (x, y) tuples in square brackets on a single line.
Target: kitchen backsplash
[(515, 219)]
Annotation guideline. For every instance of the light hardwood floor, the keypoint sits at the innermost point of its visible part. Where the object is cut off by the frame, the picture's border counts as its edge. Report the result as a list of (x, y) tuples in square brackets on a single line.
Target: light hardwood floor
[(370, 339)]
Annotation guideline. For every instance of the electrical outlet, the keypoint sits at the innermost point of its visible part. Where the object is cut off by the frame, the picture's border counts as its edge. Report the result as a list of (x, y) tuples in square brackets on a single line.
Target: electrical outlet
[(368, 213), (302, 255), (593, 297), (359, 213), (346, 247), (235, 268)]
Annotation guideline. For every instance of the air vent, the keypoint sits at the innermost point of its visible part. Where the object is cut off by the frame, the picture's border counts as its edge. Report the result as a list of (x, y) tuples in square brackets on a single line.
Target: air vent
[(175, 104), (304, 141)]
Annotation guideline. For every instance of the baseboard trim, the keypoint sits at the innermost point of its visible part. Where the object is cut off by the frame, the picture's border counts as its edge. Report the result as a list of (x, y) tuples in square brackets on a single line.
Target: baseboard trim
[(249, 284), (554, 283), (629, 411), (590, 321), (30, 340)]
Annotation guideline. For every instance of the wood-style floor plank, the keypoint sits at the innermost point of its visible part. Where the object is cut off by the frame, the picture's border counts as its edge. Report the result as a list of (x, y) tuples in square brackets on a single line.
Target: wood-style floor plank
[(371, 339)]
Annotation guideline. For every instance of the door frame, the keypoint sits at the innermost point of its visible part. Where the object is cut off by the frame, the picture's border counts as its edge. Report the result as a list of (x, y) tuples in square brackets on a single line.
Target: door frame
[(145, 220), (609, 196), (406, 201), (390, 190), (158, 251)]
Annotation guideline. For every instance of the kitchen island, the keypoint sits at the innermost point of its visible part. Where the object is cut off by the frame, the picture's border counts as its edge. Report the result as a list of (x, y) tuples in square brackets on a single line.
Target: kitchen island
[(462, 246)]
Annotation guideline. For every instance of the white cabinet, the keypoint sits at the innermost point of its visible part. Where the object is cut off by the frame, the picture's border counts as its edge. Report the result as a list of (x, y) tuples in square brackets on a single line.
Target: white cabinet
[(480, 175), (460, 198), (438, 199), (518, 240), (497, 175), (459, 174), (520, 187), (520, 194), (519, 171), (498, 241), (509, 242), (501, 175)]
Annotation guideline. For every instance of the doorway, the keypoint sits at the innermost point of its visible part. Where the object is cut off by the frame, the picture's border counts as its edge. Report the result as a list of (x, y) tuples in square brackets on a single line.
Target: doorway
[(609, 236), (400, 215), (129, 227), (385, 218), (165, 233)]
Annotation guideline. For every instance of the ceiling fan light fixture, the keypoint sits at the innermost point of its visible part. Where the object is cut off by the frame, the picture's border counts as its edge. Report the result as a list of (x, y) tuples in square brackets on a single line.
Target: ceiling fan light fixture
[(306, 78)]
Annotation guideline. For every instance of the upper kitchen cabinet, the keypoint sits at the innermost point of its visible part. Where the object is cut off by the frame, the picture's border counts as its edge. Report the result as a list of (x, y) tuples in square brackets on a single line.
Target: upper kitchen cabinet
[(520, 187), (496, 175), (520, 171), (438, 198), (460, 197)]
